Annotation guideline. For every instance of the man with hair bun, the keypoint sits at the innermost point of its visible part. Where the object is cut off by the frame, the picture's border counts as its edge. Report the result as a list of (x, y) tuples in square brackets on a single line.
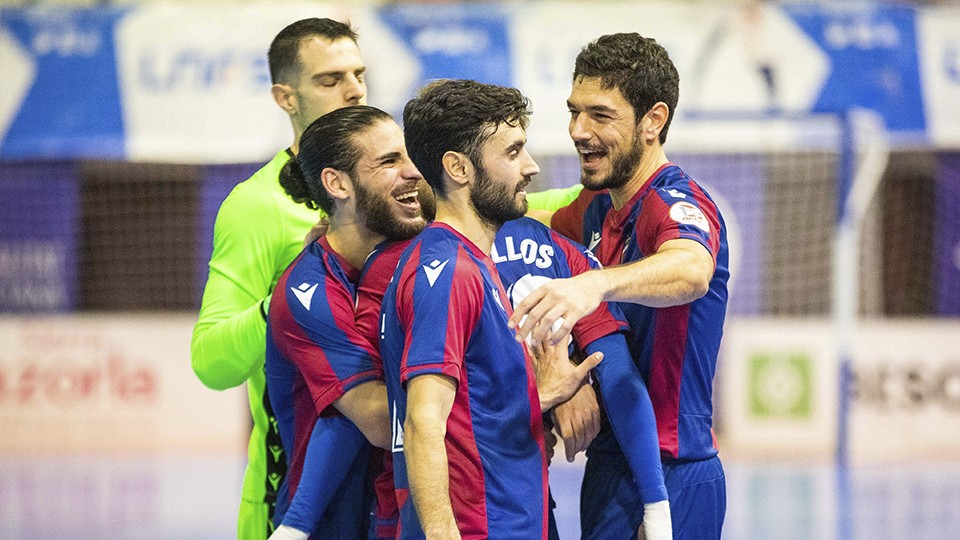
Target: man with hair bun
[(315, 67), (322, 373)]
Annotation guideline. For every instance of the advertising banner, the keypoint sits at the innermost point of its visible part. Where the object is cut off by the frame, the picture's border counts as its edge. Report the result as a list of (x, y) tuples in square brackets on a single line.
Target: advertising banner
[(778, 389), (110, 383)]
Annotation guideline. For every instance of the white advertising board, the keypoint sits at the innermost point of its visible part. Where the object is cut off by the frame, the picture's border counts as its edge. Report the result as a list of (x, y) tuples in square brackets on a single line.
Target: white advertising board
[(778, 389), (110, 383)]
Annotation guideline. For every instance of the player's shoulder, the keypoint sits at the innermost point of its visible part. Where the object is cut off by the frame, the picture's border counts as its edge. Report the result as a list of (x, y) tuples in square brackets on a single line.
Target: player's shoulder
[(672, 184), (259, 192)]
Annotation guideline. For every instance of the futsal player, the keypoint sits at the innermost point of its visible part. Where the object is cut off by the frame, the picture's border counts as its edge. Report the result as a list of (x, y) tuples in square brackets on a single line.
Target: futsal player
[(663, 245), (527, 255), (468, 447), (354, 166)]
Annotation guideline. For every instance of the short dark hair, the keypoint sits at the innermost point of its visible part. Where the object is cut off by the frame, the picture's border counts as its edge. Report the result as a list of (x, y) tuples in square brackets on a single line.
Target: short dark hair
[(639, 67), (457, 115), (330, 141), (283, 56)]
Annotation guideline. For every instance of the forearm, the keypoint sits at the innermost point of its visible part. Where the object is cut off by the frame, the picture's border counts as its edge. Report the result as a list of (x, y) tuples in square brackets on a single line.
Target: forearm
[(667, 278), (226, 349), (334, 444), (631, 415), (428, 473)]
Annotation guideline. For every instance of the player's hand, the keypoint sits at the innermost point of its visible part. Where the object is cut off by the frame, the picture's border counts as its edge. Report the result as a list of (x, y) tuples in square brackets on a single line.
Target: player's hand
[(657, 523), (568, 299), (317, 231), (557, 378), (578, 421)]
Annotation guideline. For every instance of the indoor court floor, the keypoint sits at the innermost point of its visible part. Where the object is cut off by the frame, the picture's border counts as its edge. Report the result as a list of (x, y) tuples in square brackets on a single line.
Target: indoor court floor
[(195, 498)]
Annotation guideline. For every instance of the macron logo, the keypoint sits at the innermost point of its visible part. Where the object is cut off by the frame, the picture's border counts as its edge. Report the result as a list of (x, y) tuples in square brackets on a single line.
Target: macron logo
[(304, 293), (434, 269), (594, 240), (397, 443), (676, 194)]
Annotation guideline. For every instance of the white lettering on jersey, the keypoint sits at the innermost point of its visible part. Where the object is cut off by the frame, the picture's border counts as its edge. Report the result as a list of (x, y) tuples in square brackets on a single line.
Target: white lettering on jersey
[(528, 251), (688, 214), (433, 270), (304, 293)]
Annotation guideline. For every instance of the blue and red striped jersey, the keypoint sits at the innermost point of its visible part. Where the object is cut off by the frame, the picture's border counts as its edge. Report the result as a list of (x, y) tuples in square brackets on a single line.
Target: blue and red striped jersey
[(676, 347), (374, 279), (528, 254), (446, 313), (315, 353)]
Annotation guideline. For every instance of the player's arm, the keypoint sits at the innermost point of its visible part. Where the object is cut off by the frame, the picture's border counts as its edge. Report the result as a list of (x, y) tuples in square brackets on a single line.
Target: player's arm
[(429, 402), (631, 416), (366, 406), (334, 442), (229, 337), (678, 273)]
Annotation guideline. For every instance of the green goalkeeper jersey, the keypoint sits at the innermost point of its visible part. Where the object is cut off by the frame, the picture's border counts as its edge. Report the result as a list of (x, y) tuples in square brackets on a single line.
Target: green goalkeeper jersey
[(258, 232)]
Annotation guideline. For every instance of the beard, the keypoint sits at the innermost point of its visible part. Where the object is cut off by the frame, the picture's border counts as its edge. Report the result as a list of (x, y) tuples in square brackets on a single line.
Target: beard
[(623, 168), (379, 217), (493, 202)]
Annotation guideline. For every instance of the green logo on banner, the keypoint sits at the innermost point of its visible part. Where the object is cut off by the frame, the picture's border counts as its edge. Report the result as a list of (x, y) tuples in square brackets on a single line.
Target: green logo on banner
[(780, 385)]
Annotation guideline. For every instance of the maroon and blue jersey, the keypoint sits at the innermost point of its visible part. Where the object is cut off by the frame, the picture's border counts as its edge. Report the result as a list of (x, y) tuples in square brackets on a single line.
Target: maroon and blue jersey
[(314, 355), (675, 347), (529, 254), (446, 313), (374, 279)]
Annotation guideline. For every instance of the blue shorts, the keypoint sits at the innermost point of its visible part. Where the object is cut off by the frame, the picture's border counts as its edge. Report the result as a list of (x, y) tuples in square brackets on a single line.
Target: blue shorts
[(610, 506)]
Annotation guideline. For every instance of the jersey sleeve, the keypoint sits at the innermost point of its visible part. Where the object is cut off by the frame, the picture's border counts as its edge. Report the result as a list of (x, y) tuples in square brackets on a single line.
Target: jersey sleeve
[(322, 340), (682, 211), (439, 304), (628, 406), (605, 320), (229, 337), (334, 443)]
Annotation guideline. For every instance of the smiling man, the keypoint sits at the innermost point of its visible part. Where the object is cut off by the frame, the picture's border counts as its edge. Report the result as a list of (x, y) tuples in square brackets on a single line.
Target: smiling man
[(663, 245), (468, 445), (322, 373)]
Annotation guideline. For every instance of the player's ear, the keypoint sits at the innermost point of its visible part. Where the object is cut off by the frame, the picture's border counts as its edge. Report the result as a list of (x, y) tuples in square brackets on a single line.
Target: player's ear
[(652, 123), (285, 97), (457, 166), (337, 183)]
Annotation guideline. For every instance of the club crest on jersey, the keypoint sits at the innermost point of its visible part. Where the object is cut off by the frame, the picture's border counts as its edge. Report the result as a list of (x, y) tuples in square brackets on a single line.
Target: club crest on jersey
[(304, 293), (688, 214)]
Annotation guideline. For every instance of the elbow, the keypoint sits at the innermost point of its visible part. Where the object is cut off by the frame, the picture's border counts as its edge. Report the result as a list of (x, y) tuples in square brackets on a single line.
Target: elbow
[(697, 287)]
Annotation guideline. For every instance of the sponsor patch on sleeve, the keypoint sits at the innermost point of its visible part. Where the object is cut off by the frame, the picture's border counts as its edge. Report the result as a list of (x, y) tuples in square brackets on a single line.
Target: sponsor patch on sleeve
[(688, 214)]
